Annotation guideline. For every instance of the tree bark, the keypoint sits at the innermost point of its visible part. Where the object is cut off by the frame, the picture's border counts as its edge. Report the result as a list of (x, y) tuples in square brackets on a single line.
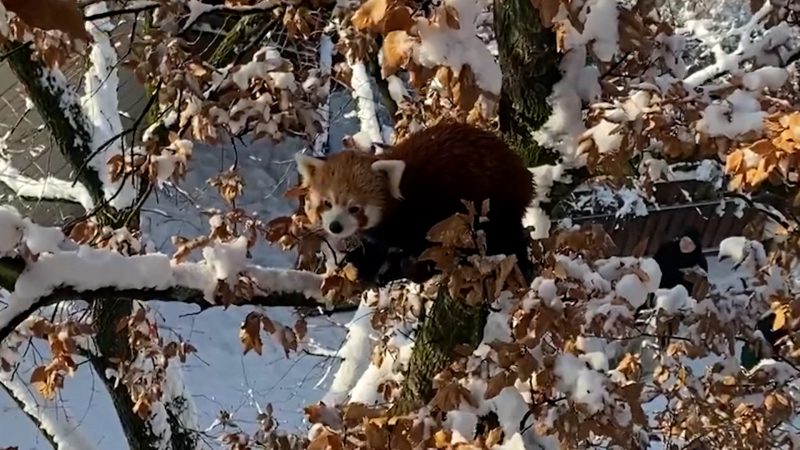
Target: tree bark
[(68, 127), (451, 322), (529, 61)]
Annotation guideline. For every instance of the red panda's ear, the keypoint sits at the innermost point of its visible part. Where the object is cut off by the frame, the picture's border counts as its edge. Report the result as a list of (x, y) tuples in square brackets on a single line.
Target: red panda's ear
[(393, 168), (307, 166)]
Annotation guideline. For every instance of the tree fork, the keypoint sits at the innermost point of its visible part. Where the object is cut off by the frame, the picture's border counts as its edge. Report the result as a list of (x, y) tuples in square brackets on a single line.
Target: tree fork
[(68, 128)]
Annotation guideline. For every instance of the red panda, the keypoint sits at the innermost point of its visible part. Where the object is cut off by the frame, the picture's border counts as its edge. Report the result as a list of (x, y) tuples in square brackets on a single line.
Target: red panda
[(393, 199)]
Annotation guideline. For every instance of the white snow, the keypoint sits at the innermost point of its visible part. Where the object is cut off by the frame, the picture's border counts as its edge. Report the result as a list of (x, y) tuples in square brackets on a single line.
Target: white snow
[(738, 114), (356, 353), (362, 92), (441, 45), (772, 78), (673, 300), (631, 288), (227, 259), (101, 106)]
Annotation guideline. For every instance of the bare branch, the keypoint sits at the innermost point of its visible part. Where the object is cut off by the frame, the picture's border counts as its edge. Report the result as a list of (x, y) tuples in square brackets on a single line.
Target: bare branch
[(148, 6)]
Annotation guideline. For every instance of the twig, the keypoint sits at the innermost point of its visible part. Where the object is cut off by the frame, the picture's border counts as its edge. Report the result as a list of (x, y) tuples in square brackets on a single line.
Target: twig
[(119, 12)]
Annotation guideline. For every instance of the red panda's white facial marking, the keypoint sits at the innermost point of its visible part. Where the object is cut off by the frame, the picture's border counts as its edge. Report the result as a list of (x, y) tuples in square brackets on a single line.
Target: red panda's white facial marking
[(686, 245)]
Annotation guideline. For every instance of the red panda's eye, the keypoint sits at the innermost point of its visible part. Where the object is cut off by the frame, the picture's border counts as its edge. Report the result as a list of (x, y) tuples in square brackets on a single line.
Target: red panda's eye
[(327, 204), (354, 209)]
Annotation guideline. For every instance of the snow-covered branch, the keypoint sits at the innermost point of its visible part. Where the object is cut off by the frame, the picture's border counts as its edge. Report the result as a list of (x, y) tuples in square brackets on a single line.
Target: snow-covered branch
[(63, 436), (198, 9), (365, 105), (101, 107), (104, 274), (47, 188), (326, 50), (355, 354), (40, 266)]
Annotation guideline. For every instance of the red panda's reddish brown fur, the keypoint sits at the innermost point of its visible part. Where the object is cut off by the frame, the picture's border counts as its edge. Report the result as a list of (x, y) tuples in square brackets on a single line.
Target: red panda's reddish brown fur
[(444, 164)]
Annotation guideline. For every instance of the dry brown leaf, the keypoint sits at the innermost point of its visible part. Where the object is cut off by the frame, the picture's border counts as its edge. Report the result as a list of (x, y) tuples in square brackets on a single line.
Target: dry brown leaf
[(496, 384), (250, 333), (369, 16), (780, 317), (445, 258), (451, 17), (397, 19), (142, 407), (455, 231), (301, 328), (547, 10), (397, 50), (326, 415)]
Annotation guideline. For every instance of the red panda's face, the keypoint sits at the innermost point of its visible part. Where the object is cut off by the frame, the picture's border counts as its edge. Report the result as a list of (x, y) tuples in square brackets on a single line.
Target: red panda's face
[(342, 215), (348, 192)]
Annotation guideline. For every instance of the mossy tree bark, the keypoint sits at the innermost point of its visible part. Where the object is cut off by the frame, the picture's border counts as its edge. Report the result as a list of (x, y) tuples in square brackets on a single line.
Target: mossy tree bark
[(450, 322), (529, 61)]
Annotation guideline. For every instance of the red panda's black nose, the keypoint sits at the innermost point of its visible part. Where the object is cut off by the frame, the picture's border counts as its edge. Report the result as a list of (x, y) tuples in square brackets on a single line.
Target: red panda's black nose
[(335, 227)]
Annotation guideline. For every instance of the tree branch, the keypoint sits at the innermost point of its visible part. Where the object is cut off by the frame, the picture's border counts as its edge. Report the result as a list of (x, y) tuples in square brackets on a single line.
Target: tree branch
[(60, 109), (278, 287), (59, 434), (118, 12)]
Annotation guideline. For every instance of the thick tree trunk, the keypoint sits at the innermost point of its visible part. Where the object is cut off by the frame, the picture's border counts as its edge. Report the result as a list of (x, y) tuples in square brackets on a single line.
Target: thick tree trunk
[(529, 61), (451, 322)]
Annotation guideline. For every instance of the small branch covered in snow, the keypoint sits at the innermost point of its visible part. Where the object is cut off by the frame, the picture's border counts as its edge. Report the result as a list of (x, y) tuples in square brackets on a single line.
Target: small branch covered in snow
[(365, 104), (62, 435), (40, 266), (48, 188), (326, 50), (101, 107)]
